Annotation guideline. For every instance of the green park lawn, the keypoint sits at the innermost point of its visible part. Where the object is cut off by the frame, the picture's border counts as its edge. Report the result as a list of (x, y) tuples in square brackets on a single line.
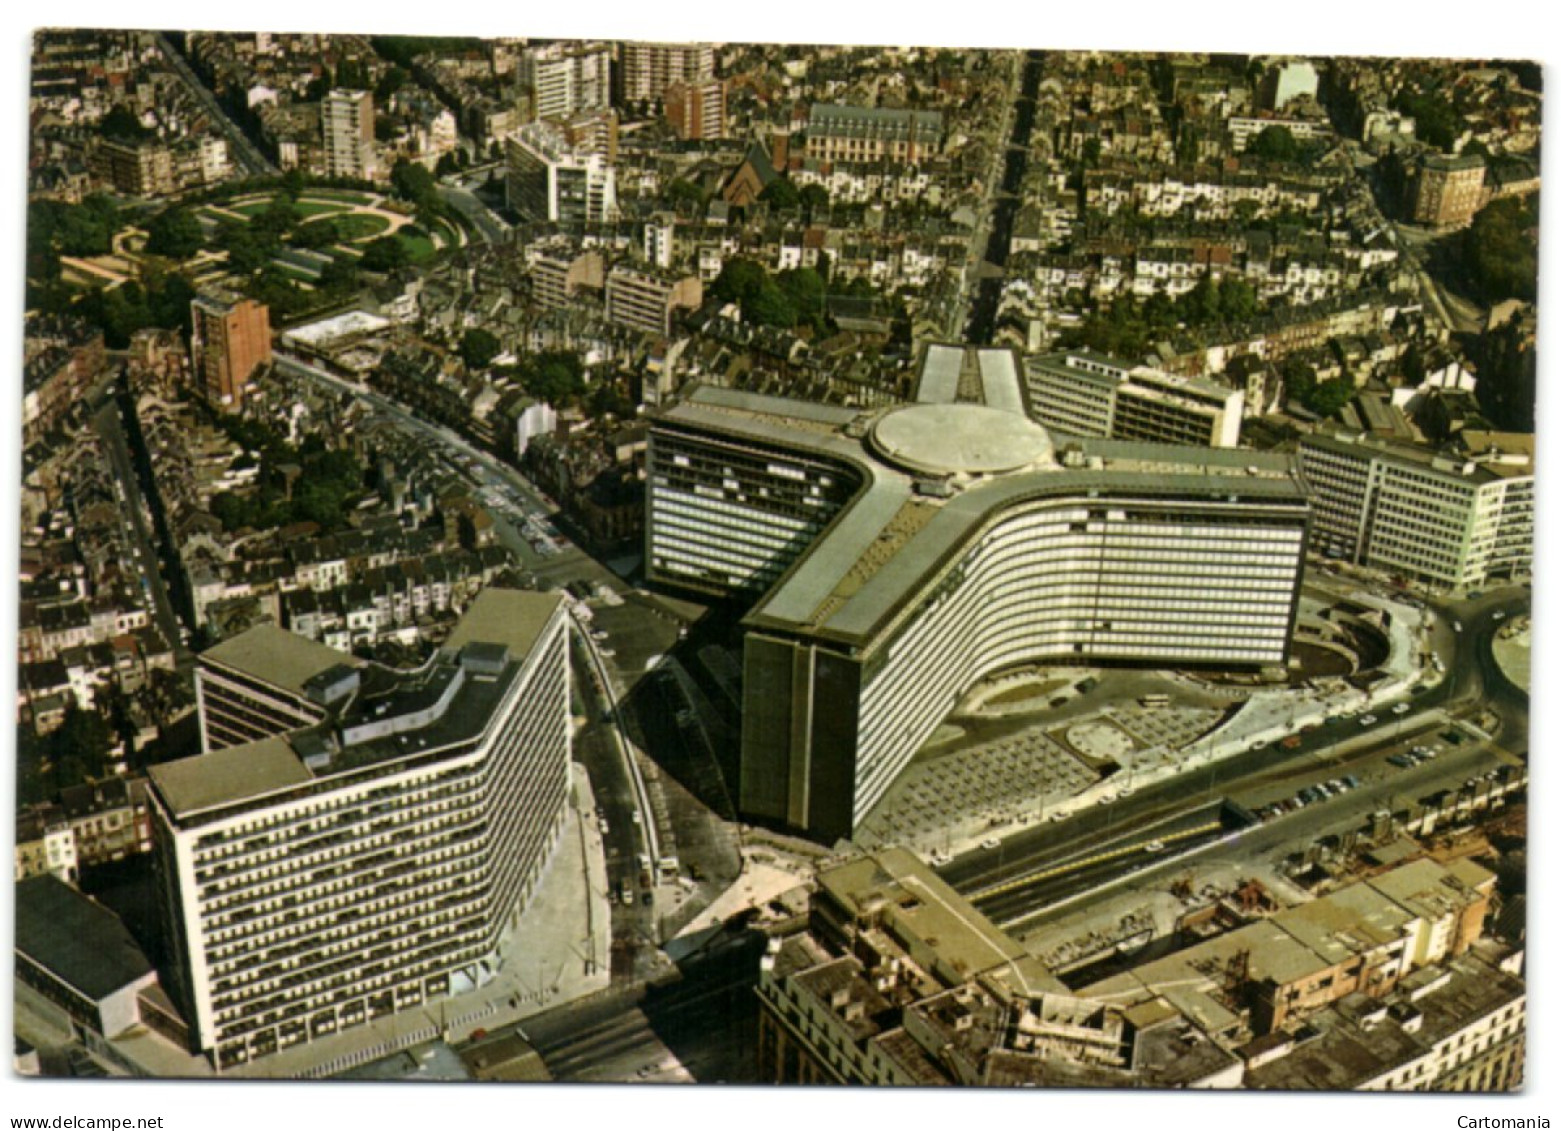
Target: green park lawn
[(304, 207), (308, 207), (360, 226), (345, 196), (419, 248)]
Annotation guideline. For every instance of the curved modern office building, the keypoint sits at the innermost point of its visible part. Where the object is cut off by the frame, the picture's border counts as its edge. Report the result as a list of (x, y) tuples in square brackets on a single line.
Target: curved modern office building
[(314, 879), (901, 555)]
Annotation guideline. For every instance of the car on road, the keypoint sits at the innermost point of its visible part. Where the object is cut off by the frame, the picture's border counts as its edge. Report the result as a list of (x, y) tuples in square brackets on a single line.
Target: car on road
[(1057, 817), (1498, 615), (991, 842), (1401, 709), (1368, 720), (1155, 846)]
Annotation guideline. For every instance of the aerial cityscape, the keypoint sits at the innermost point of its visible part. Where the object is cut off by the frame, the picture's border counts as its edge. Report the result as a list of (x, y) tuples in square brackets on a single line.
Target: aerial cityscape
[(626, 562)]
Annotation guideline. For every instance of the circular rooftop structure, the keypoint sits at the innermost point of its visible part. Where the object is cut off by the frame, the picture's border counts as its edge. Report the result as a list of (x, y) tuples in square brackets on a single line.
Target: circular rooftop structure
[(961, 439)]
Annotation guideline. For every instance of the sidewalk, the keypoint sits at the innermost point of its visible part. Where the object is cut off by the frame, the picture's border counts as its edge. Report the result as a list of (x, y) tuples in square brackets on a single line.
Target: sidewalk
[(758, 884)]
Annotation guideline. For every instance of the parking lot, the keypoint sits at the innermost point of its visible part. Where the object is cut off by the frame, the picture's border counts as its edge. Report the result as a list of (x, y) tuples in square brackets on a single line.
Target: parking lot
[(978, 784)]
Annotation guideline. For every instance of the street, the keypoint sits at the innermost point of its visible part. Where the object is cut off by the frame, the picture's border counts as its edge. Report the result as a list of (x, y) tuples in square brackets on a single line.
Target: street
[(133, 511), (243, 151), (695, 1025), (1260, 776)]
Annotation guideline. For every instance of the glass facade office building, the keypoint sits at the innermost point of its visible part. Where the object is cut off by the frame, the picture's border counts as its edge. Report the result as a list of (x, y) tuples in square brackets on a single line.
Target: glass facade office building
[(318, 878), (900, 556)]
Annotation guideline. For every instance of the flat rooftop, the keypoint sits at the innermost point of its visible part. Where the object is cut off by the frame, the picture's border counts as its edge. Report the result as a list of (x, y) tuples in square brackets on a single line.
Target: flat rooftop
[(276, 656), (514, 618), (960, 439), (1347, 1051), (393, 715), (1476, 469), (918, 905), (889, 542), (75, 938), (228, 776)]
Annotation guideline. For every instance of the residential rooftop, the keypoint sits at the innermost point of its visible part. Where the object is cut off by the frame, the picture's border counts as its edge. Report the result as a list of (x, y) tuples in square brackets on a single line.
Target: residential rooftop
[(1359, 1040), (75, 938)]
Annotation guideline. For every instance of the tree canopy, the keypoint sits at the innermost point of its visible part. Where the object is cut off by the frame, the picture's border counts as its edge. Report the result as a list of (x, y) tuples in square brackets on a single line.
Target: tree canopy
[(1508, 372), (1325, 398), (330, 484), (384, 254), (1128, 327), (814, 198), (55, 228), (121, 124), (793, 298), (1436, 121), (1275, 143), (680, 193), (175, 233), (1500, 251), (162, 299), (316, 234), (414, 183), (73, 753), (478, 347), (781, 193)]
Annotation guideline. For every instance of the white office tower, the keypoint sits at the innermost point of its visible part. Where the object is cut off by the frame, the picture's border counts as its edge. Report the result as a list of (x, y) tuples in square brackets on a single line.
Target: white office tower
[(566, 78), (548, 179), (647, 69), (347, 125), (1441, 518), (317, 878), (1088, 394)]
